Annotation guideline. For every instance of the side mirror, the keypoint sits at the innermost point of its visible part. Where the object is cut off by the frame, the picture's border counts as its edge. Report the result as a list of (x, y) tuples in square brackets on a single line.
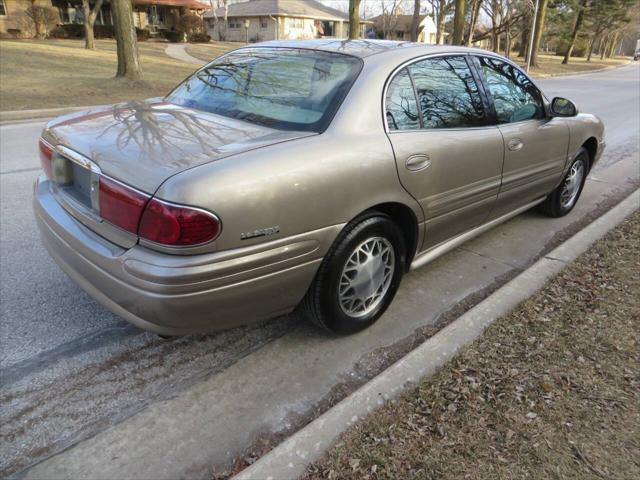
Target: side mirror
[(561, 107)]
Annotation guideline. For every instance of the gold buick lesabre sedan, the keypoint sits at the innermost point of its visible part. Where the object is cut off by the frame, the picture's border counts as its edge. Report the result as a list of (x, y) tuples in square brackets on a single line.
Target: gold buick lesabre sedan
[(303, 174)]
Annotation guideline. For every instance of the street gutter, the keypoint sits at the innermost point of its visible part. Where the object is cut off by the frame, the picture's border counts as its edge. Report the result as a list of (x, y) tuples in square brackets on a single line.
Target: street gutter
[(290, 459)]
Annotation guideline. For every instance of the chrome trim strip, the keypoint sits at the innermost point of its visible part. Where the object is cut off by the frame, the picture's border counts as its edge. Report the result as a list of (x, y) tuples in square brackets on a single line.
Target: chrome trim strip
[(448, 245)]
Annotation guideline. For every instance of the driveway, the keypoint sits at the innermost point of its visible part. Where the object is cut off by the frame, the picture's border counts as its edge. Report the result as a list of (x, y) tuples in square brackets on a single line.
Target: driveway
[(70, 369)]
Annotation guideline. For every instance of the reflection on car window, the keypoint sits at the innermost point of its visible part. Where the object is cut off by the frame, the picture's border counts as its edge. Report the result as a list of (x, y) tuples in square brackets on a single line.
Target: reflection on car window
[(289, 89), (402, 108), (515, 97), (447, 93)]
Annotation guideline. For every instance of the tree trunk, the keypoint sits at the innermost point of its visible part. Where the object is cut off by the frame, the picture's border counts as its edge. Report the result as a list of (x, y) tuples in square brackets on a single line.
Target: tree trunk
[(90, 16), (539, 30), (415, 21), (473, 21), (612, 45), (126, 41), (576, 30), (524, 39), (603, 46), (440, 27), (458, 22), (592, 44), (507, 46), (354, 19)]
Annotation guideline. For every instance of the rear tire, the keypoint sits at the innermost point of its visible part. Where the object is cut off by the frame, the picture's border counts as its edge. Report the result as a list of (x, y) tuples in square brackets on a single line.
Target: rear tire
[(359, 276), (562, 200)]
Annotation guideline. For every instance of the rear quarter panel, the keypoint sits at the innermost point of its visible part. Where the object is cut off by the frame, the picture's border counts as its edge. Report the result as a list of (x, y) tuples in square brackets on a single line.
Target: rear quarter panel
[(298, 186)]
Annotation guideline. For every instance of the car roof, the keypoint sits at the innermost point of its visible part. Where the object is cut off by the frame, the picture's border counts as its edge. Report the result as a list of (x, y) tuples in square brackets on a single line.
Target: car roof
[(366, 48)]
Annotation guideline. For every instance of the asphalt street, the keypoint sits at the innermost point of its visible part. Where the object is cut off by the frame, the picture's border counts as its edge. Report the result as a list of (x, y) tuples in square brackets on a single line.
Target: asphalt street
[(70, 369)]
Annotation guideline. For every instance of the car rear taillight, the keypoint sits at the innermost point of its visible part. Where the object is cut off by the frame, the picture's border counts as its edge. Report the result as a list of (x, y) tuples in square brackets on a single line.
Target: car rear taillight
[(176, 225), (121, 205), (46, 155)]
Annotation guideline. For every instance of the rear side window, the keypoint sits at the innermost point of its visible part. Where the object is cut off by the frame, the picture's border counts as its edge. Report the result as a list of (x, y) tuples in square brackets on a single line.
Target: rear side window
[(448, 95), (401, 106), (515, 97)]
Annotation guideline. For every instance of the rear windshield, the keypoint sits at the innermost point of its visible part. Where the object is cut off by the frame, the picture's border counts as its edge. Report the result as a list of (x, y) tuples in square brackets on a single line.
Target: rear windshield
[(283, 88)]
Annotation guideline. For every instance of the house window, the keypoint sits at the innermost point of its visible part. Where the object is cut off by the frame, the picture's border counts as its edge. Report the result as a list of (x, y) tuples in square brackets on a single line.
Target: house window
[(235, 23), (263, 23), (296, 23), (3, 9)]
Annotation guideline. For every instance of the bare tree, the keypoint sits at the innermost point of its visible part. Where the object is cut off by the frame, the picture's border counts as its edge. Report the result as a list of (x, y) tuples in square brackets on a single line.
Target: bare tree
[(415, 21), (43, 18), (90, 15), (473, 21), (537, 33), (126, 41), (440, 9), (458, 22), (389, 16), (576, 30), (354, 19)]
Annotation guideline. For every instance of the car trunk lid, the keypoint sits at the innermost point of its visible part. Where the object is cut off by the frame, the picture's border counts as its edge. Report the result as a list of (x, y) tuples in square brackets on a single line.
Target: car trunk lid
[(144, 143), (140, 145)]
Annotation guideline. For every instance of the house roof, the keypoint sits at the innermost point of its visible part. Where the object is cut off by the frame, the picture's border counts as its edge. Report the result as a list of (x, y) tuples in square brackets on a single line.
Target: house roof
[(176, 3), (400, 23), (282, 8)]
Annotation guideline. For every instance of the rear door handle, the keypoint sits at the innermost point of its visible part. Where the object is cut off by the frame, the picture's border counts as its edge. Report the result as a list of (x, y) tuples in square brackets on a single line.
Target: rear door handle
[(515, 144), (417, 162)]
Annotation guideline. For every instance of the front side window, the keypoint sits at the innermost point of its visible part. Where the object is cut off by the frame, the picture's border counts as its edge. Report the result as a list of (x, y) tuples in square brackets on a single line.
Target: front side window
[(515, 97), (3, 9), (447, 93), (401, 106), (284, 88)]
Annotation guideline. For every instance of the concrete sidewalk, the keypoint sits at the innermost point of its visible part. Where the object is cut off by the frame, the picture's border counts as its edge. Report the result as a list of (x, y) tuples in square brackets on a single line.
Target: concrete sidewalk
[(178, 51), (269, 395), (290, 459)]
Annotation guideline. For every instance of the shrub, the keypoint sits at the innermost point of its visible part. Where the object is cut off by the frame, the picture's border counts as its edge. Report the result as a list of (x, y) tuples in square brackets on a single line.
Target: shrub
[(68, 30), (199, 37), (142, 34), (44, 19), (190, 24), (174, 35), (103, 31)]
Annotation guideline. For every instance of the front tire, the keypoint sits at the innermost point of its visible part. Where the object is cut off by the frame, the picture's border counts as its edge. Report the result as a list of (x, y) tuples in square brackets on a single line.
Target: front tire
[(562, 200), (359, 276)]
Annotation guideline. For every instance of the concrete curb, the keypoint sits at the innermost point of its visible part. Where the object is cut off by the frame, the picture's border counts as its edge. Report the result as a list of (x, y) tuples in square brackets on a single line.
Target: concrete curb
[(18, 115), (289, 460), (577, 74)]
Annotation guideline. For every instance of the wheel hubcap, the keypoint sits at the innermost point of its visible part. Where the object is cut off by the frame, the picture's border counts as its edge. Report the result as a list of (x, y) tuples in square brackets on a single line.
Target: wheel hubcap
[(366, 277), (572, 184)]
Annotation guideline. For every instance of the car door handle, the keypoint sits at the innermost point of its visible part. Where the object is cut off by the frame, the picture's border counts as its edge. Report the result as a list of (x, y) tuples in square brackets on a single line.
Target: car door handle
[(417, 162), (515, 144)]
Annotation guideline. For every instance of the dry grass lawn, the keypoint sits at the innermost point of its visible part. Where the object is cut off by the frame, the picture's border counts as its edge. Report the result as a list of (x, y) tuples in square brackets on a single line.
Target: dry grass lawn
[(551, 391), (552, 65), (60, 73)]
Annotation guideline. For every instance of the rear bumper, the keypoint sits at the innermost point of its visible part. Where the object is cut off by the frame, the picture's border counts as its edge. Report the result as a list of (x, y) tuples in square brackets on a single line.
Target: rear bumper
[(175, 294)]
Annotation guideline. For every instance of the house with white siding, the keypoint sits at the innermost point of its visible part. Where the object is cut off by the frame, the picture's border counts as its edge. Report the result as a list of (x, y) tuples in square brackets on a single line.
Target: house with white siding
[(261, 20)]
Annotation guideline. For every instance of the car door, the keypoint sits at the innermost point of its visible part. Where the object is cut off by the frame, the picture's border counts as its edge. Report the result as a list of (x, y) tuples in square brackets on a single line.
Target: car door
[(448, 156), (535, 146)]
